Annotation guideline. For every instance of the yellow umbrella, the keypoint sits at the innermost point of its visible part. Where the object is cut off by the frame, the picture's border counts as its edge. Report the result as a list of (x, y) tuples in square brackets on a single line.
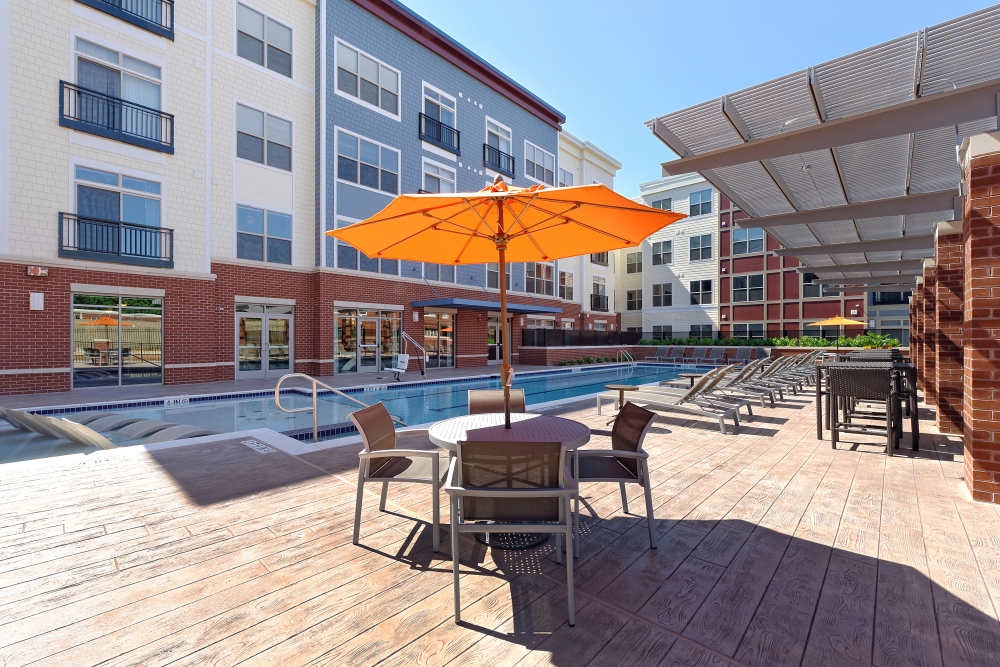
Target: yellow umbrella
[(501, 223), (837, 322)]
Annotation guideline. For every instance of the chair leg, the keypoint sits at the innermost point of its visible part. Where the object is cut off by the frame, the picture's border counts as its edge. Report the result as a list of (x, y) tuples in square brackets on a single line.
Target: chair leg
[(357, 502), (385, 492), (621, 487), (649, 505), (559, 547), (436, 512), (454, 558), (570, 593)]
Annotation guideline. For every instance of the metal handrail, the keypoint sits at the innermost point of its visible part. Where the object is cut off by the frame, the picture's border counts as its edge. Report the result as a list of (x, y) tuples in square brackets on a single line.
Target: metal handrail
[(626, 357), (407, 338), (317, 383)]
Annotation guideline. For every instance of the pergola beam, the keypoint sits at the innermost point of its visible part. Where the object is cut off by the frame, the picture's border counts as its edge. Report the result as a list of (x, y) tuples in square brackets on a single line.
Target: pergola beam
[(926, 202), (905, 265), (923, 113), (903, 278), (899, 287), (902, 243)]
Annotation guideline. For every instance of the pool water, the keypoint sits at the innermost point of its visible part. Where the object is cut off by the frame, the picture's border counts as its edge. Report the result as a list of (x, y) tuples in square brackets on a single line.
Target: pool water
[(418, 403)]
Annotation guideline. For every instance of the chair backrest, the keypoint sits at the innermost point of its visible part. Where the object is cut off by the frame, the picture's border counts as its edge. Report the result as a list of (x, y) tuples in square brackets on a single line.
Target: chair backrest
[(743, 353), (662, 354), (482, 401), (715, 353), (699, 384), (376, 428), (629, 431), (402, 361), (676, 353), (511, 467), (715, 379)]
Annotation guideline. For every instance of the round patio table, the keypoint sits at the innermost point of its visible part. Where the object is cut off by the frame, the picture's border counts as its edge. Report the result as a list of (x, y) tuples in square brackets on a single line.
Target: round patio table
[(691, 377), (524, 427), (621, 389)]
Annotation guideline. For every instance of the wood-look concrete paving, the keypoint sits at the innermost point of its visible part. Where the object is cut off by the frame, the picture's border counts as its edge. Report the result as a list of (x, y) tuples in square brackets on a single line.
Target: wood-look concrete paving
[(774, 549)]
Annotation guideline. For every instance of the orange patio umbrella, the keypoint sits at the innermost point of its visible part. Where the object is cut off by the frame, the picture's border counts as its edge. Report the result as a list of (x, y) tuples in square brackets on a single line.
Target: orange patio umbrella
[(502, 223), (106, 321)]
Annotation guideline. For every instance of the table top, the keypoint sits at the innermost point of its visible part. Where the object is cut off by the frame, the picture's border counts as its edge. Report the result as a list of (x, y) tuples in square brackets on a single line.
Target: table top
[(690, 375), (525, 427), (621, 387)]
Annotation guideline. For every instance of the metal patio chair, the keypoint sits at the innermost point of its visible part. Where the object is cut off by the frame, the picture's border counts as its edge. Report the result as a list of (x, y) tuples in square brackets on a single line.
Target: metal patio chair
[(512, 487)]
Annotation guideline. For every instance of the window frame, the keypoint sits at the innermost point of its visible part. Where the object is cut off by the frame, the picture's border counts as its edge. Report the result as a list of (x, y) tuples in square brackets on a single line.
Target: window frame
[(746, 292), (631, 265), (265, 236), (701, 291), (605, 262), (566, 284), (669, 252), (424, 162), (662, 331), (821, 289), (746, 242), (746, 333), (701, 204), (545, 154), (399, 162), (691, 333), (265, 139), (119, 66), (264, 40), (665, 296), (668, 207), (633, 299), (546, 280), (563, 182), (701, 247), (357, 99), (119, 189)]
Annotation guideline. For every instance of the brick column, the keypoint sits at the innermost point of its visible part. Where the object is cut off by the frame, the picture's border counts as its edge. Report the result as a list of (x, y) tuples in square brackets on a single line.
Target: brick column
[(928, 355), (948, 319), (916, 330), (981, 333)]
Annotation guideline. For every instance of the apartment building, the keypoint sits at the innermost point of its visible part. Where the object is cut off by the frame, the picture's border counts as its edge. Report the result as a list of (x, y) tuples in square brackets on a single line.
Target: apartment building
[(668, 286), (164, 215), (889, 314)]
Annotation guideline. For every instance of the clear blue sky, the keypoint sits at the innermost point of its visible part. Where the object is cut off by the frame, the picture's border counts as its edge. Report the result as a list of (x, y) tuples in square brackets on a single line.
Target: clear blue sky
[(610, 66)]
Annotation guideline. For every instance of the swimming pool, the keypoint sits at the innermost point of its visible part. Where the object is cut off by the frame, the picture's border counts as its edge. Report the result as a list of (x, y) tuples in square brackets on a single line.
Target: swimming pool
[(415, 403)]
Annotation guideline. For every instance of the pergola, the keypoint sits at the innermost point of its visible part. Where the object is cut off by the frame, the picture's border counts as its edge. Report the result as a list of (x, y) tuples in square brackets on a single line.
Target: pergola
[(856, 167)]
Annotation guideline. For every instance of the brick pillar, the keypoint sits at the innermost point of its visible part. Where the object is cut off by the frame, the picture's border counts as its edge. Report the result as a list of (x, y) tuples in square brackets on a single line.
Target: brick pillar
[(981, 333), (948, 319), (928, 356), (916, 330)]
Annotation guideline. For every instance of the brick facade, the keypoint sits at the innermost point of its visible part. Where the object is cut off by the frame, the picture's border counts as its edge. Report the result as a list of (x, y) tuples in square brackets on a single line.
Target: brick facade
[(949, 276), (929, 355)]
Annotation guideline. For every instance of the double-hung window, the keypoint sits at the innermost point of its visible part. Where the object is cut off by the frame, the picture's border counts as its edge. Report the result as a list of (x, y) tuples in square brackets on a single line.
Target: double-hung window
[(663, 295), (438, 178), (663, 331), (264, 236), (811, 287), (701, 292), (367, 163), (745, 330), (633, 299), (438, 122), (633, 262), (748, 288), (539, 164), (348, 257), (701, 247), (538, 278), (565, 178), (599, 258), (263, 138), (700, 331), (662, 204), (566, 285), (700, 202), (263, 40), (493, 276), (367, 79), (663, 252), (748, 241)]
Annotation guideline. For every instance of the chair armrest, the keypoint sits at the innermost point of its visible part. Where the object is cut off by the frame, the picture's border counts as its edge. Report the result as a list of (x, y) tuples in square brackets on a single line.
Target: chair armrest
[(612, 452), (420, 434), (449, 485), (387, 453), (511, 493)]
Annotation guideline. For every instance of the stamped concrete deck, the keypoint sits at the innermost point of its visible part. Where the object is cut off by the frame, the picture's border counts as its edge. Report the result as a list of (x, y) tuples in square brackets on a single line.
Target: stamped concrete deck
[(773, 549)]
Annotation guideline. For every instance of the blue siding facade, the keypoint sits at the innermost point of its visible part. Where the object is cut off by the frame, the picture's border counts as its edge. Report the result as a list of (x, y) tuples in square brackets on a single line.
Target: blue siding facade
[(474, 100)]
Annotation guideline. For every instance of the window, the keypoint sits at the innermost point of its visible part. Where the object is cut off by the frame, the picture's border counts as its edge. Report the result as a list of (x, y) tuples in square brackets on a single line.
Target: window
[(439, 106), (498, 136), (538, 278), (371, 81), (263, 40), (348, 257), (747, 241), (264, 236), (633, 262), (633, 299), (700, 331), (539, 164), (599, 294), (662, 331), (567, 323), (493, 276), (367, 163), (600, 325), (108, 196), (438, 178), (748, 330), (566, 285), (663, 295), (599, 258), (748, 288), (540, 323), (663, 252), (263, 138), (119, 76), (701, 247), (662, 204), (600, 286), (701, 292), (811, 288), (701, 202), (565, 178)]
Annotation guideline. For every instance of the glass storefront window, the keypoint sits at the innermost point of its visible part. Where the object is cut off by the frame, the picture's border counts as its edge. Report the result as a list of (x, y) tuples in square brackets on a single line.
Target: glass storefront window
[(116, 340), (381, 339), (345, 338), (439, 339)]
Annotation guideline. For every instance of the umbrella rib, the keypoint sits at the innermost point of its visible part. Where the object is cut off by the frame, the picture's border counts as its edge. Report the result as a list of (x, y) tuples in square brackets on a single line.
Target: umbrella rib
[(611, 206), (489, 205), (582, 224), (527, 231), (475, 231)]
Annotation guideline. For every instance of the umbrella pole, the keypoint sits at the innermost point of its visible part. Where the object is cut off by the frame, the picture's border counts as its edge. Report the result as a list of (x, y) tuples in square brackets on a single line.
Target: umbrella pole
[(505, 368)]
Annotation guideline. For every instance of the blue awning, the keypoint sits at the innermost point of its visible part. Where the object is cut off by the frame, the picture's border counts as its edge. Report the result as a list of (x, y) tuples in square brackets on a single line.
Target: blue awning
[(476, 304)]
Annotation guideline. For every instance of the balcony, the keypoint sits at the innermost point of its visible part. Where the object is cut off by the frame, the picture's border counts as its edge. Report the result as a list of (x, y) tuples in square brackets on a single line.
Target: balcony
[(114, 118), (115, 241), (440, 134), (498, 161), (599, 302), (156, 16)]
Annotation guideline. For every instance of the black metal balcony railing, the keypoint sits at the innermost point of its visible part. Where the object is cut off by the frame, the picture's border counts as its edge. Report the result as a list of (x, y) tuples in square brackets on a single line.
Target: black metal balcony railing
[(83, 237), (599, 302), (497, 160), (112, 117), (156, 16), (439, 134)]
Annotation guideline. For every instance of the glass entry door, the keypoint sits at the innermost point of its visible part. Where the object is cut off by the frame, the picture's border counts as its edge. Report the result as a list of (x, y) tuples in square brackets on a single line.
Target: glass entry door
[(439, 339), (368, 344), (494, 339), (116, 340), (263, 340)]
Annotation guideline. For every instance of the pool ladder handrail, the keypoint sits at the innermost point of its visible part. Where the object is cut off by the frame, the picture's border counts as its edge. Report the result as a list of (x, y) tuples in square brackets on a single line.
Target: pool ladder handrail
[(316, 383), (624, 356)]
